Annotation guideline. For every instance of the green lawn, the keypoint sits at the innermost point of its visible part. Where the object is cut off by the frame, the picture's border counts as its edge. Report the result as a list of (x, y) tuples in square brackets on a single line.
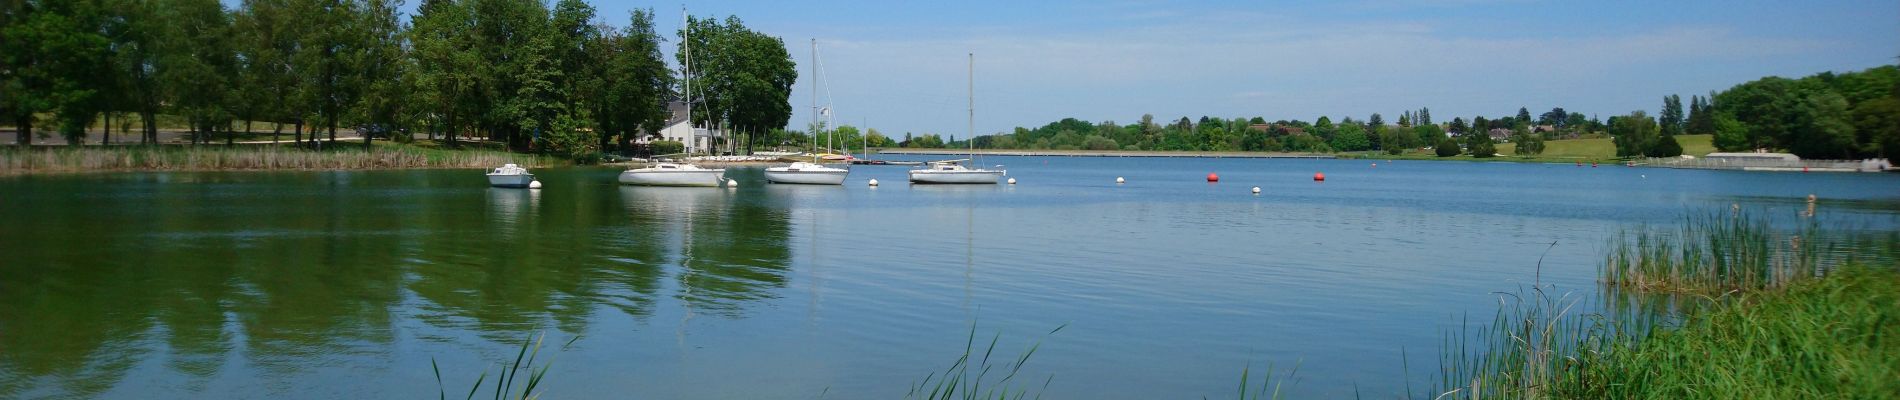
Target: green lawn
[(1597, 149), (1577, 150)]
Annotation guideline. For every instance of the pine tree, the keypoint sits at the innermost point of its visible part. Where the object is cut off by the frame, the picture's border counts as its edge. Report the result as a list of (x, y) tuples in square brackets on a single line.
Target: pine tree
[(1670, 121)]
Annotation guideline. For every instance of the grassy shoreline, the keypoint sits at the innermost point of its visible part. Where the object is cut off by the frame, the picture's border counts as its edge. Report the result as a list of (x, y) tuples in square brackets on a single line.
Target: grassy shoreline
[(1724, 305), (64, 160)]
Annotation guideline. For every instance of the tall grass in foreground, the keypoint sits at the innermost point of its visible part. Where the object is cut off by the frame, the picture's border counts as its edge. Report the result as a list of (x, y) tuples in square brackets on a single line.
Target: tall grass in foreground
[(509, 374), (1833, 337), (1720, 252), (1830, 337), (167, 158), (973, 376)]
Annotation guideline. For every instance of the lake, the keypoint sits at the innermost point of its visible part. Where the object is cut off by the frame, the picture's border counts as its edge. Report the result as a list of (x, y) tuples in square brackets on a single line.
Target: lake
[(348, 284)]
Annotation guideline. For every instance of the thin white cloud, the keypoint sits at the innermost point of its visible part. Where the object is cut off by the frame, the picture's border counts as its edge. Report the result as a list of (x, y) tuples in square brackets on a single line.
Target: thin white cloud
[(1215, 69)]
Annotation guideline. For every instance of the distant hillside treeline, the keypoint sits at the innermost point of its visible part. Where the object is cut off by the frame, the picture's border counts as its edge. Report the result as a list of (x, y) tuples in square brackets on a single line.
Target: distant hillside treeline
[(1828, 115)]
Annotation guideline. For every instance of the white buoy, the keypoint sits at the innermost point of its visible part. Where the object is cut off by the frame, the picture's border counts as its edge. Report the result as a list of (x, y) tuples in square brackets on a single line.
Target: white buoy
[(732, 183), (534, 184), (1120, 180), (873, 182), (1256, 190), (1012, 181)]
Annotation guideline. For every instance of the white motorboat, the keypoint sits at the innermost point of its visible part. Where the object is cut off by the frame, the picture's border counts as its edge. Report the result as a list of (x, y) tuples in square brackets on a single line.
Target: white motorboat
[(807, 173), (510, 176), (673, 174), (954, 172)]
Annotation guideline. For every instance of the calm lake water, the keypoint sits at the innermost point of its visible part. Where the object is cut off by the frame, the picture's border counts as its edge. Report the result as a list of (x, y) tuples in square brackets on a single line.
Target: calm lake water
[(347, 284)]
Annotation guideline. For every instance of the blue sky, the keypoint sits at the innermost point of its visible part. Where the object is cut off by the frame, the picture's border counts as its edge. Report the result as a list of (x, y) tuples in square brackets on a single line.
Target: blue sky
[(900, 65)]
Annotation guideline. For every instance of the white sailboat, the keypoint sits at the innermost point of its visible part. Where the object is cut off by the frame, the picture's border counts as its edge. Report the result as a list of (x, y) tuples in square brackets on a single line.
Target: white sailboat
[(953, 171), (809, 173), (806, 174), (679, 174)]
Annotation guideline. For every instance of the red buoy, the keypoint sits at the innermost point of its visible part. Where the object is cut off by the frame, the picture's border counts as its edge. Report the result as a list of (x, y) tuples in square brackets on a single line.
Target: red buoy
[(1211, 177), (1319, 177)]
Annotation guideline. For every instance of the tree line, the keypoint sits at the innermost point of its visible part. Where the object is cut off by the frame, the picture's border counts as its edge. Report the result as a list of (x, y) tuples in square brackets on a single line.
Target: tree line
[(1827, 115), (1414, 129), (530, 75)]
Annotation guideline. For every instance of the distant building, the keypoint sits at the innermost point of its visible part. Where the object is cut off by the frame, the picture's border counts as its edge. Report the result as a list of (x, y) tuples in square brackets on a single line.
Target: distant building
[(676, 129), (1500, 134), (1543, 128)]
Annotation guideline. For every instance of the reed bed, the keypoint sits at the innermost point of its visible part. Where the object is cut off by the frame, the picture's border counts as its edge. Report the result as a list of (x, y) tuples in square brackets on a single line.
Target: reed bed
[(1716, 253), (1821, 338), (1816, 338), (70, 160)]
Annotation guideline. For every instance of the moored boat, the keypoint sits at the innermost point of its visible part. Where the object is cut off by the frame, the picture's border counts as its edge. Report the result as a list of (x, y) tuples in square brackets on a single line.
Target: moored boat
[(673, 174), (510, 176), (954, 172), (807, 174)]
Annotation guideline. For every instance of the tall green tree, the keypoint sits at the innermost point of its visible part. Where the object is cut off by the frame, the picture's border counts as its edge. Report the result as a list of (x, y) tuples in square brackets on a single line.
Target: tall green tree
[(1670, 122), (637, 81), (1878, 123), (56, 57), (1823, 128), (1523, 115), (1350, 138), (197, 68), (742, 79), (1701, 121), (1634, 133), (264, 40), (1556, 117), (449, 67), (377, 75)]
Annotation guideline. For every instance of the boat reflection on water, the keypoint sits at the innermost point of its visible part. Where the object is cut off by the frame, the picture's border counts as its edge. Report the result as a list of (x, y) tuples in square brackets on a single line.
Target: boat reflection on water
[(728, 250), (510, 206)]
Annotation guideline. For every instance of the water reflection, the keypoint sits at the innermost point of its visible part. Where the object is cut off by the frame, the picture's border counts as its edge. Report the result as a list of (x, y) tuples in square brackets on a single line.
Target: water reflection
[(732, 249), (289, 270), (508, 206)]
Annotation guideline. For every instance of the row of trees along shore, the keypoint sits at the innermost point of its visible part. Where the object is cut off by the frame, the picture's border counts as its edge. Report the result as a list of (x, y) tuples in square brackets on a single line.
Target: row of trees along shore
[(1828, 115), (558, 80)]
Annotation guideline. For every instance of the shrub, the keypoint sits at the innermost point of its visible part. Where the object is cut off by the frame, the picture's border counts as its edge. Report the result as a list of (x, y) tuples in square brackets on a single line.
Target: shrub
[(1447, 147), (665, 147), (1528, 145), (1665, 147)]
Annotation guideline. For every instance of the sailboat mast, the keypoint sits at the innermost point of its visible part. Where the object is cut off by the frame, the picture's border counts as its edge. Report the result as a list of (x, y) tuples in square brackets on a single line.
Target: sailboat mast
[(814, 97), (686, 77), (971, 135)]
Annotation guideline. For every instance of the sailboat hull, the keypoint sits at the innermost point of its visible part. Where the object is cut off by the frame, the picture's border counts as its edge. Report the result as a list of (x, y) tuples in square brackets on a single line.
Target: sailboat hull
[(697, 178), (955, 177), (806, 177), (510, 180)]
